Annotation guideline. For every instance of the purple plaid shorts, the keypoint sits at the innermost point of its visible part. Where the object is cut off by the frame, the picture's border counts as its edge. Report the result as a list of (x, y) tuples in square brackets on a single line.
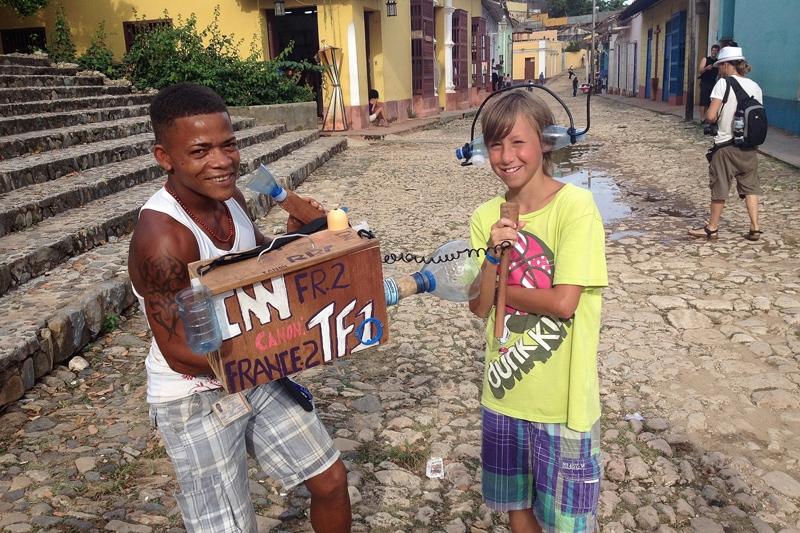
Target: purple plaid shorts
[(547, 467)]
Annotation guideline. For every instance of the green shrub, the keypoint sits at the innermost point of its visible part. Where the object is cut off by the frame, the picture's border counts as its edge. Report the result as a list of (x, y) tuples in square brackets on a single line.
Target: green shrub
[(573, 46), (99, 56), (168, 55), (63, 49), (111, 322), (24, 8)]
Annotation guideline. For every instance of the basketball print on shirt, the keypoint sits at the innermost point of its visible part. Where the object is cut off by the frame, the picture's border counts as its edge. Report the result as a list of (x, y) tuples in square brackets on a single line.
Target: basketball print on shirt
[(537, 336)]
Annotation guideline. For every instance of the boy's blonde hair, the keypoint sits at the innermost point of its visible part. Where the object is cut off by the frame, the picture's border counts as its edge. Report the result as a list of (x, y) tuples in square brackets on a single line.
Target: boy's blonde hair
[(500, 115)]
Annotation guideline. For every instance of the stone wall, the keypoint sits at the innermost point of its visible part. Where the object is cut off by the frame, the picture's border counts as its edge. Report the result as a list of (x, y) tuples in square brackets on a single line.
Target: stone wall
[(296, 116)]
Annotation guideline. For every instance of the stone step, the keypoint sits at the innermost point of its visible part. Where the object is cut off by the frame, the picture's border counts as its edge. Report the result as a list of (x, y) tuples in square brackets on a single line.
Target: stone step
[(25, 207), (25, 59), (73, 104), (27, 80), (45, 121), (31, 94), (52, 317), (38, 168), (33, 251), (37, 142), (37, 71)]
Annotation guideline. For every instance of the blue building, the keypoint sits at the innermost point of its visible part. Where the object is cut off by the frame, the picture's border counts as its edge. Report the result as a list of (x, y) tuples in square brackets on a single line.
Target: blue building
[(767, 30)]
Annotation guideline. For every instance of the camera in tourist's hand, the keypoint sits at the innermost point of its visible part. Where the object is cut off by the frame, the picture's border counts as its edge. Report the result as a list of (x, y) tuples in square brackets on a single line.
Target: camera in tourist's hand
[(710, 129)]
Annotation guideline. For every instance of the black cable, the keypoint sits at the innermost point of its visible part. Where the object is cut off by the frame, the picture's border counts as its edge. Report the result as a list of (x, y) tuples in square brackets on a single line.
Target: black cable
[(571, 131), (408, 257)]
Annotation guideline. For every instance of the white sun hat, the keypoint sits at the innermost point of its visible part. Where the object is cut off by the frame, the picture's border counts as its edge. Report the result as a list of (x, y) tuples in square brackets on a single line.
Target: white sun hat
[(729, 53)]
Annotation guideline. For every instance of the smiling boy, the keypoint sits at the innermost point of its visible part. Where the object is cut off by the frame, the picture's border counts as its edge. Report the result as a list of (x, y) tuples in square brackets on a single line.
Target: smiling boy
[(200, 214)]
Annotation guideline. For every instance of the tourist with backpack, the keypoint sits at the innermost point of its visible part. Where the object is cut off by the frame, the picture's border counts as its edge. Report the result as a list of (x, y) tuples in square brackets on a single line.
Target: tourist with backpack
[(737, 110)]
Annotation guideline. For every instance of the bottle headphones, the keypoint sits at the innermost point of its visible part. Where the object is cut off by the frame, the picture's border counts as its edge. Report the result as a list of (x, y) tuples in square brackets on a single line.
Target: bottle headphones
[(465, 152)]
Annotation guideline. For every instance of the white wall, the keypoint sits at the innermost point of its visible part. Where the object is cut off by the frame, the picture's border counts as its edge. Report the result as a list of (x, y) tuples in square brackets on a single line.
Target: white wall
[(623, 58)]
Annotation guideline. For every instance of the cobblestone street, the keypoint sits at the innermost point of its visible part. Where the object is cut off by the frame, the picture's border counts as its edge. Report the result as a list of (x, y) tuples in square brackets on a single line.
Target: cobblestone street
[(699, 359)]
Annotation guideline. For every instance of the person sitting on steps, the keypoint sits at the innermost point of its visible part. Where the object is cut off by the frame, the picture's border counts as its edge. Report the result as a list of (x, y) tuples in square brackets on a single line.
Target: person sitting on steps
[(377, 111)]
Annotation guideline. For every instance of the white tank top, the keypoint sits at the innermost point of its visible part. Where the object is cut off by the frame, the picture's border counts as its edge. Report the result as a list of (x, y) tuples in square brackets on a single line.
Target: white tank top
[(163, 383)]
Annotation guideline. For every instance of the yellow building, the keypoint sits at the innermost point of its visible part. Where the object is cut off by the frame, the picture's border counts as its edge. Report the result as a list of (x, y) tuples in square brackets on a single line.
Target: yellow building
[(535, 53), (444, 63)]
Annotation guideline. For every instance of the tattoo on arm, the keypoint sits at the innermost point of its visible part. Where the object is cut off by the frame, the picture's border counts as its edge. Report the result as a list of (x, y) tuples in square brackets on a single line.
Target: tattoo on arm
[(163, 277)]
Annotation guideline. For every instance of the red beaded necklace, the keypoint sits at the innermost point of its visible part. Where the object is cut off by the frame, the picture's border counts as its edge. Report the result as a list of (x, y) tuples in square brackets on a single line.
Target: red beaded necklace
[(202, 224)]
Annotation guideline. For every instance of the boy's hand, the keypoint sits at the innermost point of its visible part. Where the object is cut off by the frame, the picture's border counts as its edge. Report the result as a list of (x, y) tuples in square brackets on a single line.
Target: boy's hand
[(293, 224), (504, 230)]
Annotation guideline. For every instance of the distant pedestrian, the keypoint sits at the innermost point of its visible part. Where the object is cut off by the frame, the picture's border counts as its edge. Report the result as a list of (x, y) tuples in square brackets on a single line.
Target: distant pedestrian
[(541, 78), (727, 161), (495, 77), (571, 72), (575, 86), (507, 82), (707, 74)]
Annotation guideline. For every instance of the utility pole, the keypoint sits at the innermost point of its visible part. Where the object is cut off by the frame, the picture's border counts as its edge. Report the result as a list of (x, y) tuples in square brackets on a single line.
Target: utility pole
[(591, 59), (691, 66)]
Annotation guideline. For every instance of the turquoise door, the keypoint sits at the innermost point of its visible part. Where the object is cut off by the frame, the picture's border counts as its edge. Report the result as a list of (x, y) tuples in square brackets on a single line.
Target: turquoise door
[(648, 64), (674, 56)]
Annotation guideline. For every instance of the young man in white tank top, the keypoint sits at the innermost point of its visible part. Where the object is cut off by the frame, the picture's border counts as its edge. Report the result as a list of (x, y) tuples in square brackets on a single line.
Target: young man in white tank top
[(200, 214)]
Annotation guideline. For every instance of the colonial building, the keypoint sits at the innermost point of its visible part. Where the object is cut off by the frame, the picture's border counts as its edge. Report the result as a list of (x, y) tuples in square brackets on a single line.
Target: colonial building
[(767, 30), (446, 62), (649, 50)]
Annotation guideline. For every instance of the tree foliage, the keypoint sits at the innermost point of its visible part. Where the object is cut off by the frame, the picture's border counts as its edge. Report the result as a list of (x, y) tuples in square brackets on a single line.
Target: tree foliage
[(63, 48), (168, 55), (573, 46), (99, 56), (572, 8), (24, 8)]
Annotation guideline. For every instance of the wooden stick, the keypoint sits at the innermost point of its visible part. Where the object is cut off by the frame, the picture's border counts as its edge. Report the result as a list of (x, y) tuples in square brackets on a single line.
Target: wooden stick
[(510, 211)]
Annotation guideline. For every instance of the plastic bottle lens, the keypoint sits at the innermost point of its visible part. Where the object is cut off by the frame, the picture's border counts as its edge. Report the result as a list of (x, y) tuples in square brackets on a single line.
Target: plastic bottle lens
[(453, 279), (196, 309)]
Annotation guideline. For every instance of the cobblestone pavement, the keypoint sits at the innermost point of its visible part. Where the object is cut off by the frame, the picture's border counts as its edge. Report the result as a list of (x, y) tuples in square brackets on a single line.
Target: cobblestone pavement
[(699, 361)]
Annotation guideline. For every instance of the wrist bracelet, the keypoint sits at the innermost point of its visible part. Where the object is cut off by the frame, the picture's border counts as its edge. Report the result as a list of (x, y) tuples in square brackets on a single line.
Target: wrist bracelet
[(492, 259)]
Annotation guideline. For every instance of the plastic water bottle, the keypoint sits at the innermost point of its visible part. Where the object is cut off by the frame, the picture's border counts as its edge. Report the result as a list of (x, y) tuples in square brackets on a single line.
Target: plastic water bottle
[(555, 137), (450, 280), (196, 309), (453, 278), (738, 129), (262, 181), (474, 152)]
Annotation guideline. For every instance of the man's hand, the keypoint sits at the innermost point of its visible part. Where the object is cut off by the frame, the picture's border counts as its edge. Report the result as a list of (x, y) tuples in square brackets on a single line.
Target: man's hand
[(293, 224)]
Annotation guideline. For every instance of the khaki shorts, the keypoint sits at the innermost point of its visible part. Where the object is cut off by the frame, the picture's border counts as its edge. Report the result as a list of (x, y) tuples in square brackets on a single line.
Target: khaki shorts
[(729, 163)]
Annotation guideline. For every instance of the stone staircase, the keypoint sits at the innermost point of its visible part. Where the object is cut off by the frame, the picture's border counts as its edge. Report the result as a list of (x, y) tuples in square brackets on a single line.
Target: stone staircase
[(75, 167)]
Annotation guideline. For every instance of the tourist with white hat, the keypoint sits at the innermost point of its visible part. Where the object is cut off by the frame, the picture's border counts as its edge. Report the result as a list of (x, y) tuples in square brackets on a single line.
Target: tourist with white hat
[(727, 161)]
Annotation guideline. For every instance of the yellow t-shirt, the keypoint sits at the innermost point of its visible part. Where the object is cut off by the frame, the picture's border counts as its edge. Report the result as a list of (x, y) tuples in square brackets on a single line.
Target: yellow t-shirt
[(548, 372)]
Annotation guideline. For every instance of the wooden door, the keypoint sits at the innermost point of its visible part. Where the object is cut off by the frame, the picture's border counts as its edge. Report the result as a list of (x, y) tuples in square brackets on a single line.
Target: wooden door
[(530, 69), (460, 50), (480, 54), (422, 60)]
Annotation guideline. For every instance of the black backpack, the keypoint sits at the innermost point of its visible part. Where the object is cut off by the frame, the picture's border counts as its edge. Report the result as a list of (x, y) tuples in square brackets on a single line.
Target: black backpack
[(753, 114)]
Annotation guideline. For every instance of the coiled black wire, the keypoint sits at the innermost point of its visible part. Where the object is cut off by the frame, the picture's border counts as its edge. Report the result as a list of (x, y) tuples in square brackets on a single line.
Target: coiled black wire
[(408, 257)]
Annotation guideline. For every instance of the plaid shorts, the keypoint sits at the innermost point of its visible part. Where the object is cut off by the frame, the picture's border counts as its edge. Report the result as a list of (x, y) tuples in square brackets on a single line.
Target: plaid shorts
[(290, 444), (547, 467)]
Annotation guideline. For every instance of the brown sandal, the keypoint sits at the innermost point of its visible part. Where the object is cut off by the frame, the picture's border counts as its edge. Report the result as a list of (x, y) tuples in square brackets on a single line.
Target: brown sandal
[(698, 233), (753, 235)]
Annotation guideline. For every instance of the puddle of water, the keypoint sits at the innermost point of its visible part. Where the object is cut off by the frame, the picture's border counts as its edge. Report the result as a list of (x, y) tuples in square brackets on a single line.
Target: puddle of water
[(617, 235), (605, 191), (572, 158)]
